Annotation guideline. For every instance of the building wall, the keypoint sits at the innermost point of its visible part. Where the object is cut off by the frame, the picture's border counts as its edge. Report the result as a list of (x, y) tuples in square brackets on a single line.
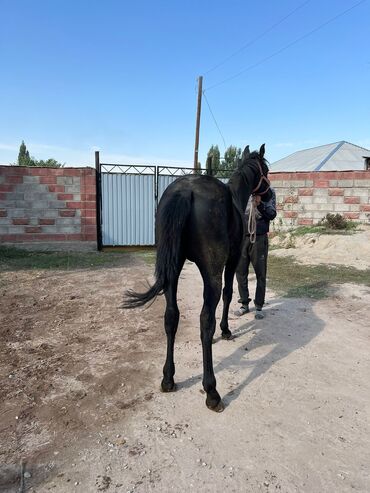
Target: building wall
[(47, 204), (305, 198)]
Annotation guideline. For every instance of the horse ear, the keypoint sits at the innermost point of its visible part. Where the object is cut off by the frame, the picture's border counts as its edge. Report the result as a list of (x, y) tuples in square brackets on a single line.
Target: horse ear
[(245, 154), (262, 151)]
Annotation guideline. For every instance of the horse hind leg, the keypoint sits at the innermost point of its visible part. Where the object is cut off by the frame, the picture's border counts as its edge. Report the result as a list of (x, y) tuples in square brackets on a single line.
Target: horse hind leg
[(171, 322), (227, 294), (211, 296)]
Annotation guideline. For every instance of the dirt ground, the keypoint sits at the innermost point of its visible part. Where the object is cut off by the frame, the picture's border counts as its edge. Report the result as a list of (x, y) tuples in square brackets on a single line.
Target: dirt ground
[(350, 250), (80, 401)]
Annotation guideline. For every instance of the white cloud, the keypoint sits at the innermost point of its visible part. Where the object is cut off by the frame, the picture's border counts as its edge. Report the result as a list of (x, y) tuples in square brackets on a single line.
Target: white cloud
[(8, 147), (86, 156)]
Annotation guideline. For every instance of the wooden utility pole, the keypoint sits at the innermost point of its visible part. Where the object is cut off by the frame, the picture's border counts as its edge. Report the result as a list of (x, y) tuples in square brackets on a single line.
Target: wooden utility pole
[(199, 107)]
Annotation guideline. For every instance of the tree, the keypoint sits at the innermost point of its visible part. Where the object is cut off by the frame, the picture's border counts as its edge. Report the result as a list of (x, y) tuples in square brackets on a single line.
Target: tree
[(24, 159), (214, 154), (24, 156), (231, 157)]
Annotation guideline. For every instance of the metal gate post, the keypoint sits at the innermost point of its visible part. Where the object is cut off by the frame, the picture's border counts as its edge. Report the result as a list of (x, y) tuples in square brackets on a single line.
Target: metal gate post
[(98, 202)]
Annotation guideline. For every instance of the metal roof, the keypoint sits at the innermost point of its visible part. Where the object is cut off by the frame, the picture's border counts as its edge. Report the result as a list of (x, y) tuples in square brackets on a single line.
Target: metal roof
[(339, 156)]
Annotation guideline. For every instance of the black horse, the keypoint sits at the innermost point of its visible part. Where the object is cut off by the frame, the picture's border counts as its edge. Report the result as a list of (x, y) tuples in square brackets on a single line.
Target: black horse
[(201, 219)]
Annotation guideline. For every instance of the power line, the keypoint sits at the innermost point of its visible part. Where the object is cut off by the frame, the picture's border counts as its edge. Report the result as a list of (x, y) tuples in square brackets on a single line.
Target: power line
[(260, 62), (214, 119), (251, 42)]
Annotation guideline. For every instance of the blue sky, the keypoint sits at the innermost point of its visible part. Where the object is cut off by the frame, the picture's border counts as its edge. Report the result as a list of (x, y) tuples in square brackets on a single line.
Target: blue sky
[(120, 76)]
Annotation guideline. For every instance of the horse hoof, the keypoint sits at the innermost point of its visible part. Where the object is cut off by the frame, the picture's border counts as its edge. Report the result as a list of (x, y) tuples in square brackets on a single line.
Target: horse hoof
[(168, 387), (227, 335), (218, 408)]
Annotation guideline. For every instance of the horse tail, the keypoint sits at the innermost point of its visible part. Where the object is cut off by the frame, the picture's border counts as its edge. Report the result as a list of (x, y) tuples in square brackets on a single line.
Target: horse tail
[(172, 215)]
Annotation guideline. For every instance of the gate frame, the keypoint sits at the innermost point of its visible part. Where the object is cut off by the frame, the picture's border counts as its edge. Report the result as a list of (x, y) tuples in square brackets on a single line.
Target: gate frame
[(157, 171)]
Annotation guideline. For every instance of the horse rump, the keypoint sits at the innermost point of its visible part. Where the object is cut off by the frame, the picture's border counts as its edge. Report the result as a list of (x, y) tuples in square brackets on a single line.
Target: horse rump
[(173, 211)]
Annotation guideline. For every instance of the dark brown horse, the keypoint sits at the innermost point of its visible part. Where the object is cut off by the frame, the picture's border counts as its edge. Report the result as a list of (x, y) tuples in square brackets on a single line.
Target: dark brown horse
[(201, 219)]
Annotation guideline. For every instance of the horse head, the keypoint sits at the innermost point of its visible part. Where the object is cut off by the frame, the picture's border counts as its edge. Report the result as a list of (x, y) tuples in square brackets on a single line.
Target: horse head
[(256, 161)]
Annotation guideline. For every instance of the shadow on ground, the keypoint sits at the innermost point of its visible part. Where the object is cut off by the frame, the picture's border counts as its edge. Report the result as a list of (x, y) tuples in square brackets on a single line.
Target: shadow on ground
[(290, 324)]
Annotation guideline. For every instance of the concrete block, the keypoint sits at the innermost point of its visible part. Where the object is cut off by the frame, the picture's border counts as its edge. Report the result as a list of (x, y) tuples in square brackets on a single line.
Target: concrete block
[(342, 207), (76, 180), (31, 179), (318, 215), (354, 207), (322, 192), (48, 213), (308, 183), (68, 221), (294, 183), (4, 230), (16, 213), (5, 220), (36, 204), (64, 180), (2, 179), (8, 204), (16, 230), (14, 196), (57, 204), (28, 187), (303, 199), (356, 192), (68, 229), (361, 183), (39, 195), (72, 189), (345, 183), (335, 199), (320, 199), (333, 183), (325, 207), (49, 229), (311, 207)]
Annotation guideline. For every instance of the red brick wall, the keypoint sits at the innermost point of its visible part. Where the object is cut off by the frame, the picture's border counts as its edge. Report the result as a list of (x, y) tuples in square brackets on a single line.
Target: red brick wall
[(305, 198), (47, 204)]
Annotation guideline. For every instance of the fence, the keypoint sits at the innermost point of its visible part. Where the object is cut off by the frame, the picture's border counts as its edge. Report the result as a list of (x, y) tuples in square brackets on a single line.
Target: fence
[(305, 198), (128, 196), (47, 204)]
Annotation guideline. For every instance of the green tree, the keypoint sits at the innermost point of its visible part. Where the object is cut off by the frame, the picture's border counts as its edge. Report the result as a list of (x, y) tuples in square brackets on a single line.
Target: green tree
[(24, 159), (231, 157), (24, 156), (214, 154)]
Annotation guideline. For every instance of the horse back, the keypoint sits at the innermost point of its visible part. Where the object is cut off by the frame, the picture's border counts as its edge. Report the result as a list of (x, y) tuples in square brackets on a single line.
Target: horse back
[(212, 227)]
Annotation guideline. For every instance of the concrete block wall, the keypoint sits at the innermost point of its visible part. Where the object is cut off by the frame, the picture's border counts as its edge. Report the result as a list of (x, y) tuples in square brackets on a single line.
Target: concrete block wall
[(47, 204), (305, 198)]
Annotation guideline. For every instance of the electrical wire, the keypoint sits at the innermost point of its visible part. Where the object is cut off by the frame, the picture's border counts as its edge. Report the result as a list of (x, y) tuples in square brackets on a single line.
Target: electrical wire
[(252, 41), (289, 45), (214, 119)]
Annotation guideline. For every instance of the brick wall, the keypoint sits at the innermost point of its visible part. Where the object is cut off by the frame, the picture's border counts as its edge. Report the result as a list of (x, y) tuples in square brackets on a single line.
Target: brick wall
[(305, 198), (47, 204)]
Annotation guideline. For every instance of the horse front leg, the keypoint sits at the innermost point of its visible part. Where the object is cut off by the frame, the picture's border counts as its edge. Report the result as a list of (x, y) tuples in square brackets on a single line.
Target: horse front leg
[(227, 294), (211, 296), (171, 322)]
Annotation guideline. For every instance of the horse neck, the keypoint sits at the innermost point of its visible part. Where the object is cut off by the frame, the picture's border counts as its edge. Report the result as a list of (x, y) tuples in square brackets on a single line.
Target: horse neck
[(241, 187)]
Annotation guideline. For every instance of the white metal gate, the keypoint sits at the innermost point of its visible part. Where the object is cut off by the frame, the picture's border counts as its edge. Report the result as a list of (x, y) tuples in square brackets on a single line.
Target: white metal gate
[(127, 198)]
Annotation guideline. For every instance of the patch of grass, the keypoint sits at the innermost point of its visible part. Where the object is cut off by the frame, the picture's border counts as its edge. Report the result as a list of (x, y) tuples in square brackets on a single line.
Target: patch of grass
[(305, 230), (17, 259), (294, 280)]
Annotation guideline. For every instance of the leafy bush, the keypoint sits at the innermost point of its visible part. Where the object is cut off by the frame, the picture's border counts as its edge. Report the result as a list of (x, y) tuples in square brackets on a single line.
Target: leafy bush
[(337, 221)]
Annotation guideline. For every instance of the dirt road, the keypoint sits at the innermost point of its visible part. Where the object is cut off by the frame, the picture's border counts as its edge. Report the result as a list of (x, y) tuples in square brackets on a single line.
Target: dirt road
[(80, 399)]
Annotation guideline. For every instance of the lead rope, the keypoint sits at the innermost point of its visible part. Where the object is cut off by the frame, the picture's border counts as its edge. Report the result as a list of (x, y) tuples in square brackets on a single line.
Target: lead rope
[(252, 222)]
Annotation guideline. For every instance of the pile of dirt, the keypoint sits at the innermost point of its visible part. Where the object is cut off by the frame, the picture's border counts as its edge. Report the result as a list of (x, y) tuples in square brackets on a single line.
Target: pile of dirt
[(336, 249)]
